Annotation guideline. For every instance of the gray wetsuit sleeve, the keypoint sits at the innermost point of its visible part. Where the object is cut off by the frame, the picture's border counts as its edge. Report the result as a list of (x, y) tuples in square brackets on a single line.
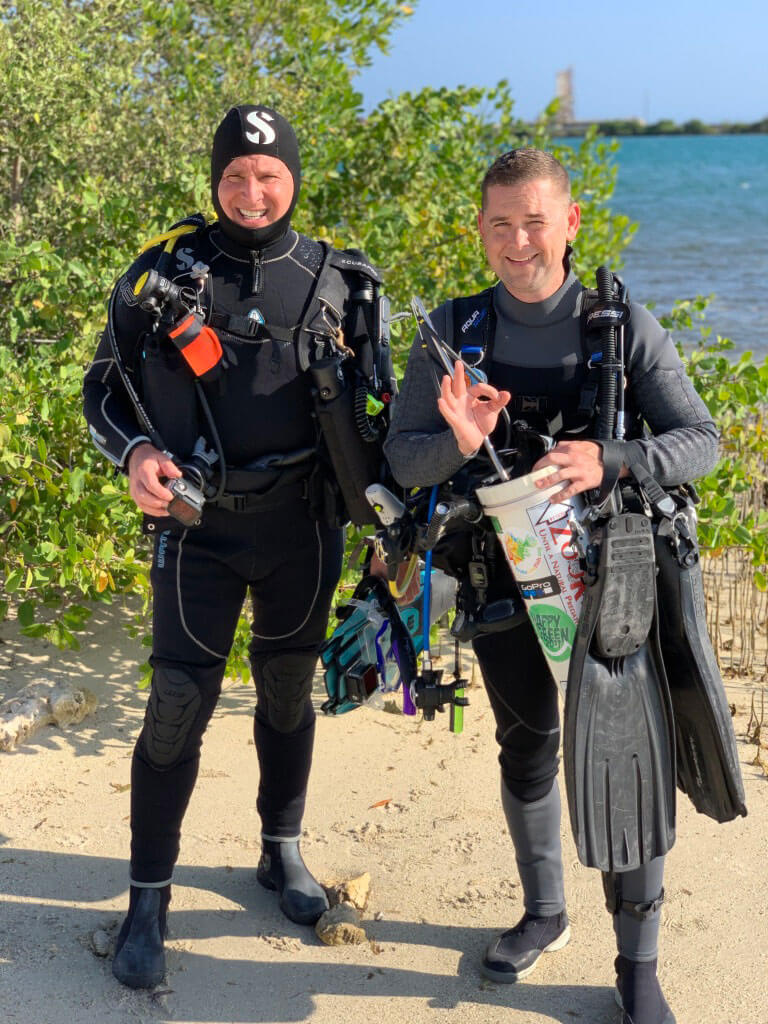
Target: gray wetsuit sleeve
[(685, 439), (420, 447)]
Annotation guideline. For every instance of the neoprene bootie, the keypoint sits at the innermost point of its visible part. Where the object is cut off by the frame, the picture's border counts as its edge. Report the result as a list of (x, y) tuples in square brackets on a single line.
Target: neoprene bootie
[(515, 954), (282, 870), (139, 960), (639, 994)]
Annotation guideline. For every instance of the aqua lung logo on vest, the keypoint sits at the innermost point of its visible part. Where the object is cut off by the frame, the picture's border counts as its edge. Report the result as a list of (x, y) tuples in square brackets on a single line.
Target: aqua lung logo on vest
[(474, 319), (257, 315), (259, 119), (162, 544)]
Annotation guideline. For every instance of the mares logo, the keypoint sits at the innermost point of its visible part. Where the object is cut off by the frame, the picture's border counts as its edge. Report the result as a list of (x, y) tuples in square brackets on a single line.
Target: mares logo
[(162, 544), (258, 119)]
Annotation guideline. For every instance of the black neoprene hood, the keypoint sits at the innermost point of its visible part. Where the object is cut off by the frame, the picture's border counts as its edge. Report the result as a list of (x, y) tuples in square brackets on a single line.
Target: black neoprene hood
[(251, 130)]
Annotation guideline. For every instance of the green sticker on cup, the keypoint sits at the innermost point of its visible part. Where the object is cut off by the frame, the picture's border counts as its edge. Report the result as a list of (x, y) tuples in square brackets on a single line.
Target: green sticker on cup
[(555, 630)]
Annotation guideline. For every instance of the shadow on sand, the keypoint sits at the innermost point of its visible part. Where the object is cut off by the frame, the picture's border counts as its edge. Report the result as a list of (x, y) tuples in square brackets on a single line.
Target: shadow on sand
[(64, 890)]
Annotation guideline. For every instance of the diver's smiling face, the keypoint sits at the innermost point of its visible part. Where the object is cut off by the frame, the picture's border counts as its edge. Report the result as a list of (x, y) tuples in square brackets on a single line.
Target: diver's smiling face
[(255, 190), (525, 230)]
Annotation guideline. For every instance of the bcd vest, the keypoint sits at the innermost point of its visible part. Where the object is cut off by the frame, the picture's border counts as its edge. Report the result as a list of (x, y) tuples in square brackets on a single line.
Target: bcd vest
[(352, 416), (553, 400)]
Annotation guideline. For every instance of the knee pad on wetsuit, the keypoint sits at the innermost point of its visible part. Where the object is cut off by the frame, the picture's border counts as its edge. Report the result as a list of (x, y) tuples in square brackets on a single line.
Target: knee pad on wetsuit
[(173, 713), (283, 684)]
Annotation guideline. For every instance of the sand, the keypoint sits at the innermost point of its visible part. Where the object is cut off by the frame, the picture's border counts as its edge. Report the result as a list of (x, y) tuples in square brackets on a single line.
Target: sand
[(443, 874)]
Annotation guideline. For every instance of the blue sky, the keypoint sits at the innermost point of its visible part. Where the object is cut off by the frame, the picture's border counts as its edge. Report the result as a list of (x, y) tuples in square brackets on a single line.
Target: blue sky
[(654, 59)]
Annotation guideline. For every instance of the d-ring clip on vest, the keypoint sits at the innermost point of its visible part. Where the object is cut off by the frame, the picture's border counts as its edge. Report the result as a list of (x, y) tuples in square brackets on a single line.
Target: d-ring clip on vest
[(472, 355)]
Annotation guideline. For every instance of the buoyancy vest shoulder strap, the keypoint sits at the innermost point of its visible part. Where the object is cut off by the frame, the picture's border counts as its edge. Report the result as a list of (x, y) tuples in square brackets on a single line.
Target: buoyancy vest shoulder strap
[(471, 326), (322, 319), (168, 242), (590, 346)]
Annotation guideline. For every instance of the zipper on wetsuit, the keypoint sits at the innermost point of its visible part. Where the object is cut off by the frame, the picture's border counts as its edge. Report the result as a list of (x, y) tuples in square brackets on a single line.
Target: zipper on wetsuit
[(257, 272)]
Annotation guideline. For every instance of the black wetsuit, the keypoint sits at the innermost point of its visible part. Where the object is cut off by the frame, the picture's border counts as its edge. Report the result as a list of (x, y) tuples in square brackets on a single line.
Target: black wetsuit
[(280, 548)]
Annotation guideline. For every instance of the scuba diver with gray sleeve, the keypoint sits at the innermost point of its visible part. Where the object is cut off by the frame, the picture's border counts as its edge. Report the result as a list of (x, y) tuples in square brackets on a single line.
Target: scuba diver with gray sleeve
[(242, 384), (539, 336)]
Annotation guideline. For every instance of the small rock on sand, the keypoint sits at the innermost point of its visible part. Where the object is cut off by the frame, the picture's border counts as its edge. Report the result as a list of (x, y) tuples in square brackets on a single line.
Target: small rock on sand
[(340, 926)]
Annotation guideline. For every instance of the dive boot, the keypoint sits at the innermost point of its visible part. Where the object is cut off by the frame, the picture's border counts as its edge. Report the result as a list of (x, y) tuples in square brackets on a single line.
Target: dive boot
[(139, 960), (281, 869), (514, 955), (639, 994)]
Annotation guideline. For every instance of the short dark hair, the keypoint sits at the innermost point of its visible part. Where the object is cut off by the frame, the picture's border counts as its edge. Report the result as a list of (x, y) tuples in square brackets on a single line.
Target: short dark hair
[(519, 165)]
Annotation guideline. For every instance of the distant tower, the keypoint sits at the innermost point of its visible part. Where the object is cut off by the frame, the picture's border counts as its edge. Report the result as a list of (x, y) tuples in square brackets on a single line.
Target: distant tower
[(564, 92)]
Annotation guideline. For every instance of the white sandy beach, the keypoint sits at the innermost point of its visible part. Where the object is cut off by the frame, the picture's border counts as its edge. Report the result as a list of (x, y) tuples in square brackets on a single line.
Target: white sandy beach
[(442, 867)]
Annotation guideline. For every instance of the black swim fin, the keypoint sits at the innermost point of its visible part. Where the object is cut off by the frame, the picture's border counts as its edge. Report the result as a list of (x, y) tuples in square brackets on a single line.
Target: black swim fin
[(708, 768), (619, 744)]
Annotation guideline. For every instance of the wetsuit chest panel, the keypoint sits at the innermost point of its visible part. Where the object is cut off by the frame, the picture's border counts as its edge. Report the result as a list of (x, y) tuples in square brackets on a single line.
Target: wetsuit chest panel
[(534, 351), (264, 404), (543, 392)]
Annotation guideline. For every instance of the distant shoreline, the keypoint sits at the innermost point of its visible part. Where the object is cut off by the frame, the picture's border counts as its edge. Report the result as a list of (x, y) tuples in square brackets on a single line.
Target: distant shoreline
[(624, 128)]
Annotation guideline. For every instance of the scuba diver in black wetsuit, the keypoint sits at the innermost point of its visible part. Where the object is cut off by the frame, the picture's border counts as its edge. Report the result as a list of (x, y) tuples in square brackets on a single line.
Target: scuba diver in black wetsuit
[(527, 334), (222, 345)]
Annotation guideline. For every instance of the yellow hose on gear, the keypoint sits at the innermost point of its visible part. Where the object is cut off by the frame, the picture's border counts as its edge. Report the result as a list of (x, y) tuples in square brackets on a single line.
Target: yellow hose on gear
[(169, 237), (398, 591)]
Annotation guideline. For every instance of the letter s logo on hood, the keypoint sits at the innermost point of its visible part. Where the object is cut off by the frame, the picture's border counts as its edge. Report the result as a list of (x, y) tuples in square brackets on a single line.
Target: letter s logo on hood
[(259, 121)]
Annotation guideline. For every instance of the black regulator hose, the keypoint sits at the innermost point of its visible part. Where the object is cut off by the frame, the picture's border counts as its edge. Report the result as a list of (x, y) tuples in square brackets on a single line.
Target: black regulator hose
[(365, 426), (444, 513), (608, 381), (141, 412), (222, 485)]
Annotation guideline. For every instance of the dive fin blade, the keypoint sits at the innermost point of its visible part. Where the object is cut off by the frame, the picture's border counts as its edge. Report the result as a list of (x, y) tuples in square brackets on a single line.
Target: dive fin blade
[(708, 769), (619, 742)]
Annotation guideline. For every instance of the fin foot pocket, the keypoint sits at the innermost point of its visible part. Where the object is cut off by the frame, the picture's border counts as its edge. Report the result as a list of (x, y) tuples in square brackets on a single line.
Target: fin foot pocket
[(628, 570)]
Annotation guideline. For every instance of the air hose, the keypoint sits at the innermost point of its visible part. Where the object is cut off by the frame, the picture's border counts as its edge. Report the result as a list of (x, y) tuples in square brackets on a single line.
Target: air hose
[(608, 379), (444, 513), (398, 590), (366, 428), (427, 594)]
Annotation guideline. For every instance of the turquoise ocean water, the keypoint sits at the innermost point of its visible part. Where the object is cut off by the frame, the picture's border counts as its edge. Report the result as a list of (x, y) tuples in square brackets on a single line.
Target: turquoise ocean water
[(701, 203)]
